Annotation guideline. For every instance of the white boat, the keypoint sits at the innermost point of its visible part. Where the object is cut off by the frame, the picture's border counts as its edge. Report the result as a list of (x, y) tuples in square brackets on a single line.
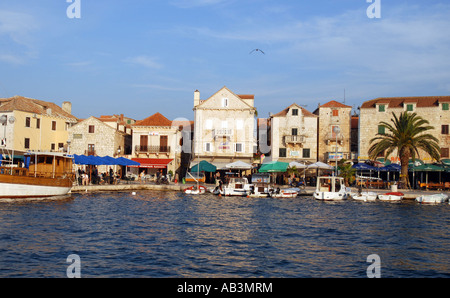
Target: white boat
[(391, 196), (260, 186), (42, 175), (365, 196), (330, 189), (235, 187), (285, 193), (432, 199), (195, 190)]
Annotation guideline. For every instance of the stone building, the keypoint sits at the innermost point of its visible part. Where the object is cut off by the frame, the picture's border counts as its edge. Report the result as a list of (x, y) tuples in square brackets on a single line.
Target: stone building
[(92, 136), (157, 144), (332, 145), (435, 109), (224, 128), (293, 135)]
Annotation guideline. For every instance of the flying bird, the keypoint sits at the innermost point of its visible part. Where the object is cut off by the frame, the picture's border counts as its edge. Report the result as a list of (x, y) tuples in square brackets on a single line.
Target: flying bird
[(257, 50)]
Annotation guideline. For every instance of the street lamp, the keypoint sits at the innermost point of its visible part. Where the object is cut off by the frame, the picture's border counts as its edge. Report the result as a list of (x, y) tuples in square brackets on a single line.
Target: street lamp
[(336, 130)]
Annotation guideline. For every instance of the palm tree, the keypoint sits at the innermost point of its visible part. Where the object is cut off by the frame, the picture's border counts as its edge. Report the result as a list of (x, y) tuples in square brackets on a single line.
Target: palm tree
[(407, 135), (347, 171)]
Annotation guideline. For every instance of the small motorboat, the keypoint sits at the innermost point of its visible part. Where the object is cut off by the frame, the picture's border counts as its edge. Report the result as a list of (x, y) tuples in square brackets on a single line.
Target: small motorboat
[(365, 196), (330, 189), (195, 190), (432, 199), (235, 187), (391, 196), (285, 193)]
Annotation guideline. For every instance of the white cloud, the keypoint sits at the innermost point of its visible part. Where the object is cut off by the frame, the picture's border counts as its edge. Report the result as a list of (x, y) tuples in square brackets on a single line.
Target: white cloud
[(146, 61)]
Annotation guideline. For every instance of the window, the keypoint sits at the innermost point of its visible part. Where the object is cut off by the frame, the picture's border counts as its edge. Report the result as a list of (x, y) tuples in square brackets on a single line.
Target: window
[(208, 147), (52, 146), (224, 102), (381, 108), (239, 147), (91, 128), (38, 123), (282, 152), (445, 107), (27, 122), (53, 125), (335, 113), (444, 130), (409, 108), (294, 131), (27, 143), (444, 153), (306, 153), (60, 146), (294, 112), (381, 129)]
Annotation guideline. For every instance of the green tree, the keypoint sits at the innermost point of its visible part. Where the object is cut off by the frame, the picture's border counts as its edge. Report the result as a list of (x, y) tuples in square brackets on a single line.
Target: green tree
[(346, 171), (406, 135)]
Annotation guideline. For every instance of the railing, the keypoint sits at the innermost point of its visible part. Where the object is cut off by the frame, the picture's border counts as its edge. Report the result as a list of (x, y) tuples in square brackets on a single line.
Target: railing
[(332, 136), (296, 139), (152, 149), (223, 132)]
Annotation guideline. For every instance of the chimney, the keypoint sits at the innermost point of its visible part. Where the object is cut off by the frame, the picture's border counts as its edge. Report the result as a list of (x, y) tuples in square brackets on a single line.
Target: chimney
[(67, 107), (196, 98)]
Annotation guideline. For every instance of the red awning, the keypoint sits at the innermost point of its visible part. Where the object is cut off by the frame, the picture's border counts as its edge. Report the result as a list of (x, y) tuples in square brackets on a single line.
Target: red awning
[(152, 163)]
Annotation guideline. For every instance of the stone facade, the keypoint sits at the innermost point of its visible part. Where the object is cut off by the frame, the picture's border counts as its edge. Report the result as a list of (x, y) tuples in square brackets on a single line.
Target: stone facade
[(224, 128), (331, 115), (93, 137), (293, 135), (434, 109)]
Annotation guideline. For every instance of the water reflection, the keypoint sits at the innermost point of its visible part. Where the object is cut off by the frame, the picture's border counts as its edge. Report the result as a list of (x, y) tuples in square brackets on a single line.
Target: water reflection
[(169, 234)]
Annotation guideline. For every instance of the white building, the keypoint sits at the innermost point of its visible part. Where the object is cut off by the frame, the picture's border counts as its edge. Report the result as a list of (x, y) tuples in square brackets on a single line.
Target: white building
[(224, 128)]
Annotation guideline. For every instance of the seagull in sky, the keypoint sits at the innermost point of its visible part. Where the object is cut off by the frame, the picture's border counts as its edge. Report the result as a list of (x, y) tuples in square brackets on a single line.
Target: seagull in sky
[(257, 50)]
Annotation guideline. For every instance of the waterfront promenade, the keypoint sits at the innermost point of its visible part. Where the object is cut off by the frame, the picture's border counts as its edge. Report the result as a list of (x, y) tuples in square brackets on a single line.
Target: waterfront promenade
[(136, 186)]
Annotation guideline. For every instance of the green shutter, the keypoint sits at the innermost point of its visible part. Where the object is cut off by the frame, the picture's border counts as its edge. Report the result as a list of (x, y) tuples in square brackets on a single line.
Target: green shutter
[(381, 108), (445, 106), (409, 108), (381, 129)]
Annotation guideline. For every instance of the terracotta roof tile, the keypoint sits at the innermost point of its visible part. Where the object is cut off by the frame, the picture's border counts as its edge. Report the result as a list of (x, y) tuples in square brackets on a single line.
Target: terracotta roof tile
[(36, 106), (334, 104), (398, 102), (154, 120), (284, 112)]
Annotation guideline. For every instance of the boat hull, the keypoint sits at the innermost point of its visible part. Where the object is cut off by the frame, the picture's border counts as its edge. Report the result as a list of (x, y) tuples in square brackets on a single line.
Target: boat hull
[(329, 196), (432, 199), (391, 197), (14, 190), (369, 196)]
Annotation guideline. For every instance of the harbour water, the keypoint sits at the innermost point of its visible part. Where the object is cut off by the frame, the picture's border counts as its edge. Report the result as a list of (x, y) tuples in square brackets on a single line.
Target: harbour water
[(170, 234)]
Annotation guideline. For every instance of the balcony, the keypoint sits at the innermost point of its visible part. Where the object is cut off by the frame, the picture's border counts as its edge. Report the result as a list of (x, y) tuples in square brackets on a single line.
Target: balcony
[(152, 149), (223, 132), (332, 137), (294, 139)]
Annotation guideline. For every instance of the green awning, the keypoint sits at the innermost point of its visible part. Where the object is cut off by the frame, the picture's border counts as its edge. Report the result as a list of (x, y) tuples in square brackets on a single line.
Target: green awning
[(274, 167), (204, 166), (428, 168)]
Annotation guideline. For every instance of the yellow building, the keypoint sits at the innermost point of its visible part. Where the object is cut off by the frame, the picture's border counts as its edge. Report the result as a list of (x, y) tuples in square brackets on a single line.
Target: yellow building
[(34, 125)]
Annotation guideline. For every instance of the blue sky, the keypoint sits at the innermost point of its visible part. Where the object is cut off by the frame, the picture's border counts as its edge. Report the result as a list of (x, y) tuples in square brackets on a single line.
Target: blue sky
[(141, 57)]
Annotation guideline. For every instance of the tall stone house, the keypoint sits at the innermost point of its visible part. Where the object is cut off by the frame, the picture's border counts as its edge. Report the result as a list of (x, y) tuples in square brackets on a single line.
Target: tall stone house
[(92, 136), (224, 128), (157, 144), (34, 125), (435, 109), (293, 135), (334, 132)]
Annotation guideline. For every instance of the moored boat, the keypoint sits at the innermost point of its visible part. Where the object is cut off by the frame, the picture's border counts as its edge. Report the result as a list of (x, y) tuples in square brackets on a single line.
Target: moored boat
[(285, 193), (330, 189), (432, 199), (235, 187), (195, 190), (42, 175), (391, 196), (365, 196)]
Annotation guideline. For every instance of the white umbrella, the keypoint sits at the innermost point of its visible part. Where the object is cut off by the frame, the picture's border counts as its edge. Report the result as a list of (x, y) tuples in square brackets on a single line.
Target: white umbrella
[(297, 165), (239, 165), (320, 165)]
